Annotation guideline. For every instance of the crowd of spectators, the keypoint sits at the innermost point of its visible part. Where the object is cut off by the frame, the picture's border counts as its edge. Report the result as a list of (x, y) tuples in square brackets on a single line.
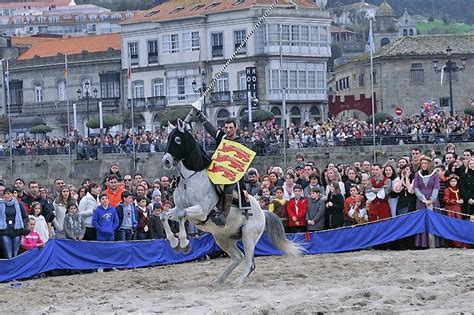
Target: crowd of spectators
[(266, 138), (306, 197)]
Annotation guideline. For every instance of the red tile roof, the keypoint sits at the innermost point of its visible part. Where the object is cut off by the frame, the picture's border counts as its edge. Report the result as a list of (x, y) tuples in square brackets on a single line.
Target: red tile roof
[(48, 47), (190, 8), (35, 4)]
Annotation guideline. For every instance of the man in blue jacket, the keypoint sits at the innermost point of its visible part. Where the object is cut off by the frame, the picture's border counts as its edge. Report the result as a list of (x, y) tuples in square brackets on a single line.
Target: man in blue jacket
[(105, 219)]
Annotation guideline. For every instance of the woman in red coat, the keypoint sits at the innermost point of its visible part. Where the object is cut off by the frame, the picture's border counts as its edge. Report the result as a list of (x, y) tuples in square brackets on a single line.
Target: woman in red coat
[(296, 208)]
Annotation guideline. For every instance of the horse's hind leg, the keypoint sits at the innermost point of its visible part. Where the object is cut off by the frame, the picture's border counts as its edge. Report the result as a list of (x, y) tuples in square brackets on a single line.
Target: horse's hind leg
[(249, 240), (230, 247), (182, 235)]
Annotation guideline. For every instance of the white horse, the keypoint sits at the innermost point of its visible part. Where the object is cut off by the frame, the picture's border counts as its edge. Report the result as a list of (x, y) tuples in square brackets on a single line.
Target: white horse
[(196, 196)]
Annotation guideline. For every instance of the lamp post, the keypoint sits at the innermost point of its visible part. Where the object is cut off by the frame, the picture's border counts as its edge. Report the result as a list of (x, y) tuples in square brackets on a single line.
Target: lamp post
[(450, 67), (201, 90), (87, 96)]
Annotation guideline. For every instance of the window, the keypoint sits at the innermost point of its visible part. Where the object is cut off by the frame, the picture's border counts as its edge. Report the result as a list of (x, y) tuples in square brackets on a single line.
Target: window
[(133, 53), (301, 82), (138, 89), (16, 92), (313, 36), (362, 79), (405, 33), (171, 43), (152, 13), (61, 90), (152, 51), (110, 85), (158, 87), (217, 43), (191, 41), (242, 76), (417, 73), (444, 101), (320, 82), (197, 7), (222, 84), (181, 89), (295, 35), (239, 37), (323, 36), (176, 10), (222, 116), (285, 34), (304, 32), (411, 32), (86, 87), (212, 5), (293, 82), (312, 82), (38, 93)]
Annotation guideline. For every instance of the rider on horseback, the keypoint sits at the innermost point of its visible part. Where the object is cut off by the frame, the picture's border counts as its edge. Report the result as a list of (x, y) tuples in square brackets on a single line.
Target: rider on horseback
[(230, 133)]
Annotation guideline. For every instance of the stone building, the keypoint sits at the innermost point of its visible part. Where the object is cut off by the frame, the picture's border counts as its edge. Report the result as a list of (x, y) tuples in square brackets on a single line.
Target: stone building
[(385, 31), (37, 81), (404, 77), (175, 44)]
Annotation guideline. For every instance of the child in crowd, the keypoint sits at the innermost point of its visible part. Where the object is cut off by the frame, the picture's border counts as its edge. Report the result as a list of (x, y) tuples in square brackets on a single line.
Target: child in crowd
[(453, 201), (264, 201), (127, 215), (41, 226), (157, 231), (105, 219), (156, 197), (278, 206), (358, 210), (349, 204), (315, 214), (32, 240), (296, 209), (74, 227), (143, 218)]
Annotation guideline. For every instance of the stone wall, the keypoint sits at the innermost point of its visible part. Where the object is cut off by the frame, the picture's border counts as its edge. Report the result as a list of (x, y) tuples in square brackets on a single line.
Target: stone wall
[(45, 169)]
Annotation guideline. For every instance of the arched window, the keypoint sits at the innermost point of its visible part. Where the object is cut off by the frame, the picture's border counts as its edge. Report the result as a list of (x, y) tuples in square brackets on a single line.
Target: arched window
[(38, 93), (139, 123), (384, 41), (222, 115), (277, 115), (405, 33), (411, 32), (295, 116), (156, 123), (61, 90), (314, 114)]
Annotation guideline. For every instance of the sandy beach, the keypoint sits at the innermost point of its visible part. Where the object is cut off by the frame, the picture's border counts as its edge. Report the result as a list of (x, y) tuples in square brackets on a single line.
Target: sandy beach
[(435, 280)]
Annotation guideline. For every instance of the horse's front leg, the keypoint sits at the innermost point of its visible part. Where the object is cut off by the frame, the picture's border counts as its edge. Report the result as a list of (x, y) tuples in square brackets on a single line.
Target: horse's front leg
[(182, 235), (164, 217)]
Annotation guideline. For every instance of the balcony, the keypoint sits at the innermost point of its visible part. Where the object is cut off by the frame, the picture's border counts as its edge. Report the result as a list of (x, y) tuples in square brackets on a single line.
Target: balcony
[(139, 103), (111, 103), (152, 58), (239, 96), (134, 60), (220, 97), (156, 101), (16, 108), (218, 51)]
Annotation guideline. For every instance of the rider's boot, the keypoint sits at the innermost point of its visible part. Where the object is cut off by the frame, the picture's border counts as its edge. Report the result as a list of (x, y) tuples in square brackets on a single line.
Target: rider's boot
[(221, 212)]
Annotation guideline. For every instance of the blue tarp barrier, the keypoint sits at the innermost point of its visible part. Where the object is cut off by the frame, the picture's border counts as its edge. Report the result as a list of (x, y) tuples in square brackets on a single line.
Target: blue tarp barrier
[(67, 254)]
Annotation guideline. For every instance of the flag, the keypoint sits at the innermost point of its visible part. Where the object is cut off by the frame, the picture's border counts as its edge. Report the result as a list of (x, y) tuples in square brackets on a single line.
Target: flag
[(6, 77), (129, 78), (370, 42), (442, 74)]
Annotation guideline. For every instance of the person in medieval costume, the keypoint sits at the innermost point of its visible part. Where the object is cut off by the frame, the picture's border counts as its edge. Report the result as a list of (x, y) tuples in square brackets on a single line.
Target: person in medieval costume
[(377, 191)]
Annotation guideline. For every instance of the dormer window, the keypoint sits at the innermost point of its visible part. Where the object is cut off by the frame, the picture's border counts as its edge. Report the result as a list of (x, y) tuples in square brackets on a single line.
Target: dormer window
[(176, 10), (212, 5)]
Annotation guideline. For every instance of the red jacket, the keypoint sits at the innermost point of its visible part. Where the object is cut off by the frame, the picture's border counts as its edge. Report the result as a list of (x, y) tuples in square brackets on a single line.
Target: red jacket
[(298, 210)]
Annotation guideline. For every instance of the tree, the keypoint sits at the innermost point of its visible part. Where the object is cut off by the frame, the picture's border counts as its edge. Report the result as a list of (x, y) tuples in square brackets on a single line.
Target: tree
[(42, 129), (258, 116), (108, 121), (173, 114), (469, 110), (379, 117)]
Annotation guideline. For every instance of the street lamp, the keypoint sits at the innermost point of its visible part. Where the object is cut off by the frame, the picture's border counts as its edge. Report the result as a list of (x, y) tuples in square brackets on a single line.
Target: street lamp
[(450, 68), (87, 96)]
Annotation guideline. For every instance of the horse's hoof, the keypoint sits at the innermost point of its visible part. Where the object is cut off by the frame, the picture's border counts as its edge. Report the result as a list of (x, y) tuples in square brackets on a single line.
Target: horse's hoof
[(184, 244), (174, 243), (187, 249)]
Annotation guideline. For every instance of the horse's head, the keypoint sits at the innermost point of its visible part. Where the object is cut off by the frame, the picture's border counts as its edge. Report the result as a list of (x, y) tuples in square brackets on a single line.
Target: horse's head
[(180, 145)]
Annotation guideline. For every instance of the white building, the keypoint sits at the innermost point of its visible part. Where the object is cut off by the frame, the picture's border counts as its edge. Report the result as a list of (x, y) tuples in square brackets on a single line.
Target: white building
[(173, 45)]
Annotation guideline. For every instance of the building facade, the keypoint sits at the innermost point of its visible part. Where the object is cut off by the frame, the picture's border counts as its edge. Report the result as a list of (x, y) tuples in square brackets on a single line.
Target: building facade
[(170, 47), (404, 77), (42, 88)]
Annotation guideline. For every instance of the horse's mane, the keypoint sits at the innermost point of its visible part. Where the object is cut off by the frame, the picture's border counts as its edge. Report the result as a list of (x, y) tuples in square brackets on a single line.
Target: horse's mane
[(198, 159)]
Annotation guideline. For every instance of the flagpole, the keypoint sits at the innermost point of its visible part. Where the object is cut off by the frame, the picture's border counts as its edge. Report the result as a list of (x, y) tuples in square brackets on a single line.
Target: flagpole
[(7, 90), (283, 102), (67, 111), (130, 91), (371, 51)]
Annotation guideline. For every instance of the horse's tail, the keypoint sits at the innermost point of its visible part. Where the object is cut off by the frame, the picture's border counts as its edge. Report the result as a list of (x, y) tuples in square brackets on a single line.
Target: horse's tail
[(276, 232)]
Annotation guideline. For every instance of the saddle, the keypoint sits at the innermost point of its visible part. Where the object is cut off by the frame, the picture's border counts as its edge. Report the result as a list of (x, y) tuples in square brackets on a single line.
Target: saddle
[(239, 196)]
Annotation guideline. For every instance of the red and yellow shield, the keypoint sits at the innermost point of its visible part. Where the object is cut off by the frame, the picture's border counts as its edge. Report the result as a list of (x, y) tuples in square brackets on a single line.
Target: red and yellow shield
[(229, 163)]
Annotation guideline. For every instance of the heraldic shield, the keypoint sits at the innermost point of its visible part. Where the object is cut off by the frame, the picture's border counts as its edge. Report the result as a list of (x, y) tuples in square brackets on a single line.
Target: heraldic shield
[(229, 163)]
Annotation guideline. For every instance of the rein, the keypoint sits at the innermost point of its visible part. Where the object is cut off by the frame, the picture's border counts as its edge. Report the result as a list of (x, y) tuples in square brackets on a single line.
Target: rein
[(185, 179)]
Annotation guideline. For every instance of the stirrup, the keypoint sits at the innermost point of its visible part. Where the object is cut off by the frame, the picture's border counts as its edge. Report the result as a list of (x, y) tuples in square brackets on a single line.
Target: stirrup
[(217, 217)]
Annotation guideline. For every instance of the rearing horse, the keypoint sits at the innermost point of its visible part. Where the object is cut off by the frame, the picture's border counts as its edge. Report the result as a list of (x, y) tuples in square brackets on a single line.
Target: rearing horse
[(196, 196)]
